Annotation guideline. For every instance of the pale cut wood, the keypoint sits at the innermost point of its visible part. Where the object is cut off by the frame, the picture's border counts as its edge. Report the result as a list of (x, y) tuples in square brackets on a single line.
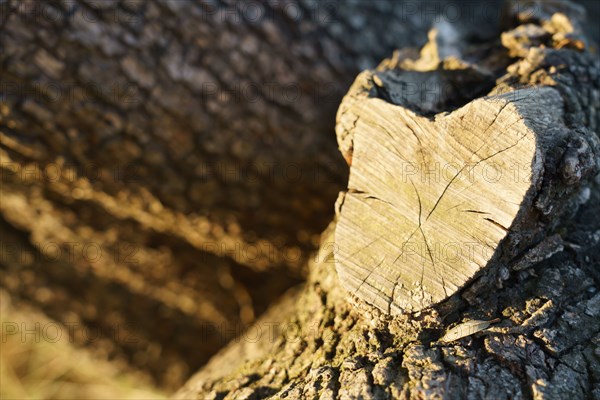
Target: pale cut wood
[(465, 329), (430, 200)]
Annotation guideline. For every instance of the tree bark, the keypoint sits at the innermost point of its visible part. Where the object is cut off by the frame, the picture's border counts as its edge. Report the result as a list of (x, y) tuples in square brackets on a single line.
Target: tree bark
[(176, 157), (200, 115), (323, 342)]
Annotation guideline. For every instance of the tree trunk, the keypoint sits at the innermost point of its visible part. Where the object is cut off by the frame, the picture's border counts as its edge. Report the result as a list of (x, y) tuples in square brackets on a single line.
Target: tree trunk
[(538, 334), (170, 164)]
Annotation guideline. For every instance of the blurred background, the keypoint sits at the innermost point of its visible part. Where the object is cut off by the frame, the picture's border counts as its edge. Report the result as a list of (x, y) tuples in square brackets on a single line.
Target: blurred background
[(166, 169)]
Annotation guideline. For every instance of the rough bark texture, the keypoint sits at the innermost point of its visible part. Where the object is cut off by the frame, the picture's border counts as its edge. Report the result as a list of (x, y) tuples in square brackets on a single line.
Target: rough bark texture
[(546, 344), (188, 142), (191, 98)]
